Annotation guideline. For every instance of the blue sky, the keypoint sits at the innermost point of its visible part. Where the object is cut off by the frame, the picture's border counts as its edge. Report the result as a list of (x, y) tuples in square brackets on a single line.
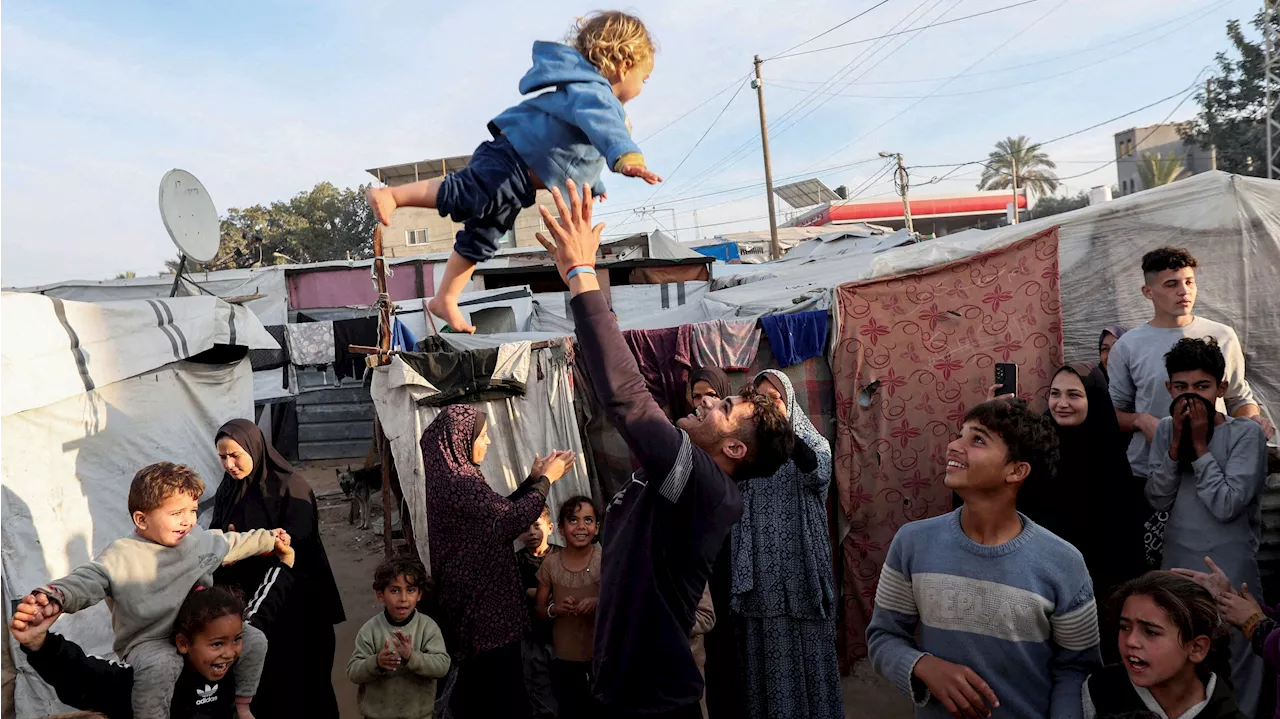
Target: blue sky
[(264, 99)]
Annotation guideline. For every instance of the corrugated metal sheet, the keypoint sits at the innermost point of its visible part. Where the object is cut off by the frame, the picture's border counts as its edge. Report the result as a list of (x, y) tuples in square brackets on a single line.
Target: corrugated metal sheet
[(333, 422)]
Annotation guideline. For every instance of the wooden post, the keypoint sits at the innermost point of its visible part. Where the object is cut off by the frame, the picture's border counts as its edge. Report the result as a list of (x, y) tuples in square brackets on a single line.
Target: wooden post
[(384, 349)]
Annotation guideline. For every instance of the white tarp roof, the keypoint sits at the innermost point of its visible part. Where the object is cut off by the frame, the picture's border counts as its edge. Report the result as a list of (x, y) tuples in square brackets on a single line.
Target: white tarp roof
[(273, 309), (92, 392), (538, 422), (53, 349)]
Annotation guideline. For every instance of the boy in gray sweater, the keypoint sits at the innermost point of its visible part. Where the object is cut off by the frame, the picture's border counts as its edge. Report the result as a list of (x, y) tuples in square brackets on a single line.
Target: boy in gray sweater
[(145, 579), (1208, 470), (982, 612), (400, 652)]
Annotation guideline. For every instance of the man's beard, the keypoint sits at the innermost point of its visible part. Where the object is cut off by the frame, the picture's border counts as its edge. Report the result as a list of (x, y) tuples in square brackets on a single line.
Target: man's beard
[(704, 436)]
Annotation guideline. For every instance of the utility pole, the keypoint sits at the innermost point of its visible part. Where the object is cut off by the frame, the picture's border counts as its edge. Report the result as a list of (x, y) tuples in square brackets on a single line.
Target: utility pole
[(1272, 82), (775, 251), (906, 204), (1013, 162), (1208, 108), (902, 183)]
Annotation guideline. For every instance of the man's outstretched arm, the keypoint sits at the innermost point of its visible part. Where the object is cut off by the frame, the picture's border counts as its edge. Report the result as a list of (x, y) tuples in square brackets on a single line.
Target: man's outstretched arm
[(663, 450)]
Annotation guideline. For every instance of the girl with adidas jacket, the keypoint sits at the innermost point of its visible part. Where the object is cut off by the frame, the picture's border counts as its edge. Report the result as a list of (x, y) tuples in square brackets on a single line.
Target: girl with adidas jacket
[(207, 633)]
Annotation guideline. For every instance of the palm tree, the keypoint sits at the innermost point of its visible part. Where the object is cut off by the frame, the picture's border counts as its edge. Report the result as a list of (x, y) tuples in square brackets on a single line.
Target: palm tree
[(1155, 170), (1034, 167)]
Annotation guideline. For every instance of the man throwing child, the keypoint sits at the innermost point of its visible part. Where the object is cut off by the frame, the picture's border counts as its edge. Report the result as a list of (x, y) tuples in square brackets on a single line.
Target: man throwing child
[(662, 532)]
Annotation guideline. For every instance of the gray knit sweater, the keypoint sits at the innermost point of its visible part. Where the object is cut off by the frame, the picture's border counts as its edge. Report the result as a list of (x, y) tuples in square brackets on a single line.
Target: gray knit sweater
[(410, 691), (145, 583)]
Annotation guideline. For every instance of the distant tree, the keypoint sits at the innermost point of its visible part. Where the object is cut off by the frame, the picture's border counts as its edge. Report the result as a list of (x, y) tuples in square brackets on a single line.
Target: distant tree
[(1233, 106), (323, 223), (1155, 170), (1055, 205), (126, 275), (1035, 169)]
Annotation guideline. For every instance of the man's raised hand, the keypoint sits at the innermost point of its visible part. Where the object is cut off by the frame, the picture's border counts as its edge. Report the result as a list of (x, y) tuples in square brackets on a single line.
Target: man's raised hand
[(574, 241)]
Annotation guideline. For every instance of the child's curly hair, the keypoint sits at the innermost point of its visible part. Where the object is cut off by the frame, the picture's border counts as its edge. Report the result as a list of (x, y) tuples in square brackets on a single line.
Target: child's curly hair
[(612, 41)]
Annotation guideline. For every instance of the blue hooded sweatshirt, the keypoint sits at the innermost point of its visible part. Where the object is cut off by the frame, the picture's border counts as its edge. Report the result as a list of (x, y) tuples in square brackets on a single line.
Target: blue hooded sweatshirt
[(573, 130)]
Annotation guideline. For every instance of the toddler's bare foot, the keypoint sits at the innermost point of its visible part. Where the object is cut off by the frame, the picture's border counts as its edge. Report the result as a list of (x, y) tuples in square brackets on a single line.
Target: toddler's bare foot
[(446, 308), (381, 202)]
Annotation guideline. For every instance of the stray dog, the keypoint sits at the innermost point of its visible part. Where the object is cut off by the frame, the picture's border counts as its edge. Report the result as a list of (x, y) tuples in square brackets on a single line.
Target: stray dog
[(359, 485)]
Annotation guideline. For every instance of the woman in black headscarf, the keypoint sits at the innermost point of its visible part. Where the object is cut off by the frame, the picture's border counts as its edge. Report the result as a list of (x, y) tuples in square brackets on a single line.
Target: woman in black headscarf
[(260, 490), (706, 382), (1091, 500)]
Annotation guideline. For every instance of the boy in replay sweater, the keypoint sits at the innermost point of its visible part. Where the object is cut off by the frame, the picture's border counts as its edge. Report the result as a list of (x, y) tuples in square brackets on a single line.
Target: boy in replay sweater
[(146, 578), (571, 132), (400, 652), (1005, 609)]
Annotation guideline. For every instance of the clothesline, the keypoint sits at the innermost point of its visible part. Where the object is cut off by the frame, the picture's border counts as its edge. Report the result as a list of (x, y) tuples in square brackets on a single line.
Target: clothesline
[(365, 350)]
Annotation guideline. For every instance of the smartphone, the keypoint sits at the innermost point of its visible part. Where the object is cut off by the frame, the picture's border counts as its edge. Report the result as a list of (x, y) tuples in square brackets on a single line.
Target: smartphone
[(1007, 378)]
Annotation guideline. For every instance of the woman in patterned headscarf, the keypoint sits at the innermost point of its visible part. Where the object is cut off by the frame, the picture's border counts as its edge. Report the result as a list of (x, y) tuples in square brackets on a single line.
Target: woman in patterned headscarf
[(783, 583), (470, 531)]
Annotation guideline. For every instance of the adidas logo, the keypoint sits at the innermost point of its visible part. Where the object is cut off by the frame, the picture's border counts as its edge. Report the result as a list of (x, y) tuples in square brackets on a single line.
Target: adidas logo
[(206, 695)]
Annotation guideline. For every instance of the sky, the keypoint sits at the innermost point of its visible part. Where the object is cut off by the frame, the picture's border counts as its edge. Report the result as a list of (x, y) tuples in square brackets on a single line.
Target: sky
[(262, 100)]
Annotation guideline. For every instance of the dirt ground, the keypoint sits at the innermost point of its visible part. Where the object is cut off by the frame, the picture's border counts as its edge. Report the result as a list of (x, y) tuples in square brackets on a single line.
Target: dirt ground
[(354, 554)]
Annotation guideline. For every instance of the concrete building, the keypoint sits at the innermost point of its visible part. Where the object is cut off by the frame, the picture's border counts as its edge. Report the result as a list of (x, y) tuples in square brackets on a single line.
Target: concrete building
[(417, 231), (1163, 140)]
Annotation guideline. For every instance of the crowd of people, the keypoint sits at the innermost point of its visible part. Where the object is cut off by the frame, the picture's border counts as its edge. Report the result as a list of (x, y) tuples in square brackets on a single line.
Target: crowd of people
[(1102, 561), (1103, 550), (620, 609)]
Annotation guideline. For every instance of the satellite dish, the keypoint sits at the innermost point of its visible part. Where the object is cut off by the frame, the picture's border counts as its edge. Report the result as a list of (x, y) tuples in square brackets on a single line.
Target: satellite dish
[(189, 216)]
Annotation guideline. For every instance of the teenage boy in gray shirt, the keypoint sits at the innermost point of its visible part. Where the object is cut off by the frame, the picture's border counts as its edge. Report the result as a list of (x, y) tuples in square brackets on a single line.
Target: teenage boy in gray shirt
[(1137, 370)]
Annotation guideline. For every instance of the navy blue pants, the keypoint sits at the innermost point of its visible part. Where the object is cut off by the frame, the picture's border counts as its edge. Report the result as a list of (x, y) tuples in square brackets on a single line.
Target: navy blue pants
[(485, 196)]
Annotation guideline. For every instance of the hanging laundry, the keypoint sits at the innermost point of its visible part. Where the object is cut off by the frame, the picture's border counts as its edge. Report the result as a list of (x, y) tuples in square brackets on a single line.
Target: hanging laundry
[(361, 331), (472, 375), (310, 343), (729, 345), (796, 337), (402, 338), (664, 357), (262, 360)]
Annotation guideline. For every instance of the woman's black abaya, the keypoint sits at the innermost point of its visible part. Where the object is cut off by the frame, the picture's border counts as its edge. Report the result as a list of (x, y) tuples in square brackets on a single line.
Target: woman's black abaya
[(296, 680)]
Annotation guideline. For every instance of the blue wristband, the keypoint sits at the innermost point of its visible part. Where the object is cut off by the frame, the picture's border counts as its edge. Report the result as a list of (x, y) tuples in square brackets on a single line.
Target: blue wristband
[(579, 270)]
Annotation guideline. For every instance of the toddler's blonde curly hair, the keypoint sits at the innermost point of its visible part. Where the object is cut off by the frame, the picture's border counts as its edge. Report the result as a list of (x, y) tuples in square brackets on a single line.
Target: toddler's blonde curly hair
[(612, 41)]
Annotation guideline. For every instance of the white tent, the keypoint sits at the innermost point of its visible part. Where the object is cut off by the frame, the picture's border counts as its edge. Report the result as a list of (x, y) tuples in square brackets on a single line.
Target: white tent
[(91, 393), (542, 420), (266, 286)]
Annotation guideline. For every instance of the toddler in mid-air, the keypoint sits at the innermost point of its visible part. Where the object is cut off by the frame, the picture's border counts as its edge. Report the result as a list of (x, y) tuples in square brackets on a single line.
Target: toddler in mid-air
[(568, 133), (146, 577)]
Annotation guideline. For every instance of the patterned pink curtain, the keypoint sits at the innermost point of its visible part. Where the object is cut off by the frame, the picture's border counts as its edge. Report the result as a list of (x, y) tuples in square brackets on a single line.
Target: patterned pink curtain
[(931, 339)]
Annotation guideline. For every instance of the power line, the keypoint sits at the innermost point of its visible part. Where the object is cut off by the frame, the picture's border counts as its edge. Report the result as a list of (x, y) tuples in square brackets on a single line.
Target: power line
[(1011, 68), (1081, 131), (827, 31), (912, 106), (789, 115), (733, 97), (1189, 92), (752, 186), (1009, 86), (697, 107), (894, 34)]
